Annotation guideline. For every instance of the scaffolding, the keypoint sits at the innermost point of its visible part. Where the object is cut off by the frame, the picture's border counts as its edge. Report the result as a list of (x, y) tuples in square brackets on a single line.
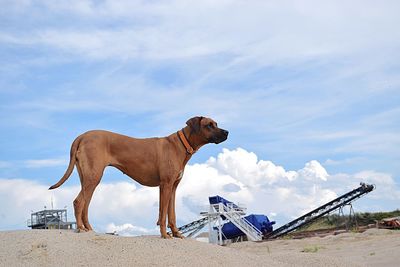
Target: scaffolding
[(50, 219), (221, 212)]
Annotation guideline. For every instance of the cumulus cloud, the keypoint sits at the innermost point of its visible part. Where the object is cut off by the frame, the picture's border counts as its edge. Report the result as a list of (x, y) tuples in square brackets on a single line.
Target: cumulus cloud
[(128, 229), (246, 167), (19, 196), (112, 202), (238, 175)]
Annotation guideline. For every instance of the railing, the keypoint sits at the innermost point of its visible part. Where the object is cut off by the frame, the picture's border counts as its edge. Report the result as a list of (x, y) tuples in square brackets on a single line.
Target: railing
[(233, 214)]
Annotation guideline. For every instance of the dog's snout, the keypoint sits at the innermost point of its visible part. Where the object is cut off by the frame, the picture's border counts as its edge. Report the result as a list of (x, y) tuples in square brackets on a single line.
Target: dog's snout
[(220, 136)]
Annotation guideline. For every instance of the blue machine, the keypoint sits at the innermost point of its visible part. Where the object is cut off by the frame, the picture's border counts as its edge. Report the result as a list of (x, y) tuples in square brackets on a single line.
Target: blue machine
[(261, 222), (229, 230), (218, 199)]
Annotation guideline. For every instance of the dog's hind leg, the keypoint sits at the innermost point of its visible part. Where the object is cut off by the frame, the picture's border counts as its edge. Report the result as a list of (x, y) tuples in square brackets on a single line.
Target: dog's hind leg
[(159, 208), (79, 201), (78, 207), (90, 171), (90, 178), (89, 189)]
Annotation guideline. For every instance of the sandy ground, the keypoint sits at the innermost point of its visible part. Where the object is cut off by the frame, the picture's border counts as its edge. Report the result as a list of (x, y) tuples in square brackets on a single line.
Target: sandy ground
[(374, 247), (66, 248)]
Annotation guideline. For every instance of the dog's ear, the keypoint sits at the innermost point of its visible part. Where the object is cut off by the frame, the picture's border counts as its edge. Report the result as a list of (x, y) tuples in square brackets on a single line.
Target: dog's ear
[(194, 123)]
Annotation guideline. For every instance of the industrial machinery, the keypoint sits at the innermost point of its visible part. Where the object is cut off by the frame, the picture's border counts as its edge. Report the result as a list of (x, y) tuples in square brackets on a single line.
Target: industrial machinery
[(325, 209), (226, 220), (50, 219)]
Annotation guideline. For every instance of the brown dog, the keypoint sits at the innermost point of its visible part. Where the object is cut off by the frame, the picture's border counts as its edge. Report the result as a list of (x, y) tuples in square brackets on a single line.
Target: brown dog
[(150, 161)]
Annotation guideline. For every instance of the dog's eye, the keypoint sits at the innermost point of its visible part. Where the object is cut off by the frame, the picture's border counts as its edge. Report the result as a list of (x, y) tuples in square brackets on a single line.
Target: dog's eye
[(209, 126)]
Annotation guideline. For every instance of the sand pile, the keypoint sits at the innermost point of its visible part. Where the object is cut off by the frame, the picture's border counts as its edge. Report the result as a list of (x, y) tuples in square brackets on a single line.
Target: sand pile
[(60, 248), (66, 248), (374, 247)]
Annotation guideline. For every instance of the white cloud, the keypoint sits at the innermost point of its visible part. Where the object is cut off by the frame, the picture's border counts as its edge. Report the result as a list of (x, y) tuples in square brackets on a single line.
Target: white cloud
[(128, 229), (245, 167), (237, 175), (313, 170), (125, 202), (262, 31), (388, 188), (19, 196)]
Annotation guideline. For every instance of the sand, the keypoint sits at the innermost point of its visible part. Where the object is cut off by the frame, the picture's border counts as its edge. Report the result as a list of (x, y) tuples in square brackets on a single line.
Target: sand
[(374, 247), (66, 248)]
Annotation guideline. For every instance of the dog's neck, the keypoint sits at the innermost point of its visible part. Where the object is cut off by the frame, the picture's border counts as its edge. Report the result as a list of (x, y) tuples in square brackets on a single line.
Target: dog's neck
[(194, 140), (182, 137)]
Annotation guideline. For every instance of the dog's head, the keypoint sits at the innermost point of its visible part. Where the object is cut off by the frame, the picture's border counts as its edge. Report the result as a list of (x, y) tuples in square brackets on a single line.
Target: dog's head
[(207, 129)]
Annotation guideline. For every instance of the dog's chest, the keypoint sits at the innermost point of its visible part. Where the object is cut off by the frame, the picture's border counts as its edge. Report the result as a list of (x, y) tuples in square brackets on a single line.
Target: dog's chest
[(180, 175)]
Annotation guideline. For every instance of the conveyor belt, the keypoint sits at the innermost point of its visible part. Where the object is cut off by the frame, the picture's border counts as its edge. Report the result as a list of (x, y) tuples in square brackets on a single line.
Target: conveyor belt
[(321, 211), (192, 227)]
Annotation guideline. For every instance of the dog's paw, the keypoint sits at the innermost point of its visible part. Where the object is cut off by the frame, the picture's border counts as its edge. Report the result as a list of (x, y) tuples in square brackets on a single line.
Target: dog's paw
[(81, 230), (166, 236), (178, 235)]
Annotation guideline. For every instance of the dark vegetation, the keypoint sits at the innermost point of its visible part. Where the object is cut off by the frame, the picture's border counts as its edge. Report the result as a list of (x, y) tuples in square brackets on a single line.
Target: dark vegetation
[(358, 219)]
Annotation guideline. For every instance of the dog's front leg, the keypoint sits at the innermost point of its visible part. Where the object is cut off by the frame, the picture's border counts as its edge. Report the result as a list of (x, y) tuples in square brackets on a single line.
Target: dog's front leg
[(165, 195), (172, 214)]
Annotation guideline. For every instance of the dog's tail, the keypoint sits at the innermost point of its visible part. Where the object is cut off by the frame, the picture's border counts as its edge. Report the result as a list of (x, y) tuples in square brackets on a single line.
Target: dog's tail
[(71, 165)]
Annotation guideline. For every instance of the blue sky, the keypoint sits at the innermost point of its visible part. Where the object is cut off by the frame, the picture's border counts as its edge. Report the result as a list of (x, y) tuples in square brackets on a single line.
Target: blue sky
[(293, 82)]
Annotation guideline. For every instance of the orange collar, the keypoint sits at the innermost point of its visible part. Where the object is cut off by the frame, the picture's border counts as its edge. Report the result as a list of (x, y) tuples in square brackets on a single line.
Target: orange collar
[(189, 148)]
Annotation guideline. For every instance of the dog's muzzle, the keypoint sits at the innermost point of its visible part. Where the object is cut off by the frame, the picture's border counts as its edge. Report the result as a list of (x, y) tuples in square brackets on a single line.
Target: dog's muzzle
[(220, 137)]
